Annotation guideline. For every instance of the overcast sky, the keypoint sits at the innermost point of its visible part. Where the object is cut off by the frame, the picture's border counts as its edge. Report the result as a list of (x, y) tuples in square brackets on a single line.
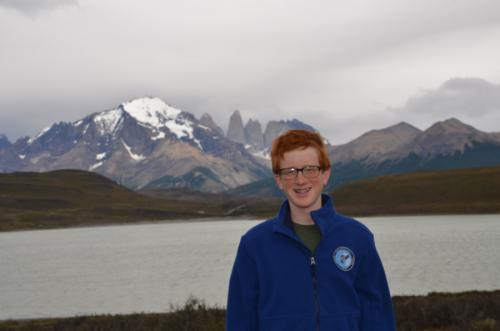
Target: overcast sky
[(344, 67)]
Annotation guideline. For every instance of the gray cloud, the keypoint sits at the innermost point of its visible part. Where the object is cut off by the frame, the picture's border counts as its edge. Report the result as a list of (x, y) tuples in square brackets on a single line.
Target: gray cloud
[(458, 96), (34, 7), (334, 64)]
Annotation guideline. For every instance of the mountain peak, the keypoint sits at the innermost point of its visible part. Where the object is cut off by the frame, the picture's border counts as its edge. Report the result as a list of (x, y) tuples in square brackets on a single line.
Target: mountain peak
[(275, 128), (235, 131), (107, 121), (451, 125), (4, 141), (207, 120), (447, 137), (404, 126), (154, 113), (452, 121), (253, 134), (206, 117), (376, 145), (150, 110)]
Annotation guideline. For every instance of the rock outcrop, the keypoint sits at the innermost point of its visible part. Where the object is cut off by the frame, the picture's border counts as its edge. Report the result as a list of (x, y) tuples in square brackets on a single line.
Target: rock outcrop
[(235, 131)]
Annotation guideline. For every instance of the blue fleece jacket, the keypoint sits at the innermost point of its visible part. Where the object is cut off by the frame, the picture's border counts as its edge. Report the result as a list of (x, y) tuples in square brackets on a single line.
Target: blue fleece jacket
[(277, 284)]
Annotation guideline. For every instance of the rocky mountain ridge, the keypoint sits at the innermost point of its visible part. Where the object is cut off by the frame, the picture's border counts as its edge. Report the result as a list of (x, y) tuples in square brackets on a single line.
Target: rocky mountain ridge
[(147, 143), (396, 142), (256, 141), (402, 148)]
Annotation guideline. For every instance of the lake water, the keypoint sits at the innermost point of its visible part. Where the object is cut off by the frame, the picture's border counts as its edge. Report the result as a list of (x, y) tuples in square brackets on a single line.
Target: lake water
[(149, 267)]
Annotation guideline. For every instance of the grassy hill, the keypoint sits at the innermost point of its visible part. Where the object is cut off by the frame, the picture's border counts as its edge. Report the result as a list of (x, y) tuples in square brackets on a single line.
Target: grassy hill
[(73, 197), (475, 190)]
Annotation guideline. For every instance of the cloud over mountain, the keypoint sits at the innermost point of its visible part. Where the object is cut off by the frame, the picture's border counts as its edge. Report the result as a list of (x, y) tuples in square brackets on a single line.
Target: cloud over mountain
[(458, 96), (341, 63)]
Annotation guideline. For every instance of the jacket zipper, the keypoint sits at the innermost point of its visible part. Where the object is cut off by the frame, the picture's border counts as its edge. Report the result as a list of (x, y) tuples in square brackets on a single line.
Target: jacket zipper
[(315, 290), (314, 281)]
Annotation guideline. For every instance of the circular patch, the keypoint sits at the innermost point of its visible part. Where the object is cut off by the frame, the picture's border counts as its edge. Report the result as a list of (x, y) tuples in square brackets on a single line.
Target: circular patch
[(344, 258)]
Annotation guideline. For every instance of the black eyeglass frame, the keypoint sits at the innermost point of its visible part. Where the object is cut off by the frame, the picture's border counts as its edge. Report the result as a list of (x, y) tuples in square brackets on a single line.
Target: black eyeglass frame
[(296, 171)]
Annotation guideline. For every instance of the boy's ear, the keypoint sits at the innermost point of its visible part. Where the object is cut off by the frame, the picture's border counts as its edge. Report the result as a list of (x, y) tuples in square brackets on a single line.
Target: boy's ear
[(326, 176), (277, 179)]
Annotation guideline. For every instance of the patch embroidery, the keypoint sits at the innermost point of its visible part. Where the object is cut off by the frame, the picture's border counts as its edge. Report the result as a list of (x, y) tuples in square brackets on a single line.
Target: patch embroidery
[(344, 258)]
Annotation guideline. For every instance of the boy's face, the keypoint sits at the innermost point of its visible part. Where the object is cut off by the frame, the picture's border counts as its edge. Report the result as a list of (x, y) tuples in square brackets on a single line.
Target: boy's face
[(303, 192)]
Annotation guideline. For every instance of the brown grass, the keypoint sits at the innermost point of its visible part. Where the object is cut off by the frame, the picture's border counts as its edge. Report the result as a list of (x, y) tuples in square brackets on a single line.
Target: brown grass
[(74, 198), (461, 191), (476, 311)]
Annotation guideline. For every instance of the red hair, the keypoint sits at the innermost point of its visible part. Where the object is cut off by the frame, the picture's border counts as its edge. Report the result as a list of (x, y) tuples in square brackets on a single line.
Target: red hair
[(298, 139)]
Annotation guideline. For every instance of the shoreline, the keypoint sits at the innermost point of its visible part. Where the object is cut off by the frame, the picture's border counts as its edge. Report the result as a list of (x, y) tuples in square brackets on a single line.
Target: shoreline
[(138, 222), (212, 218)]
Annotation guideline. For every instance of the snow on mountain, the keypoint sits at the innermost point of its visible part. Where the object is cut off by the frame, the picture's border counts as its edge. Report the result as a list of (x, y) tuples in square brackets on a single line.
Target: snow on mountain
[(108, 121), (149, 110), (95, 166), (44, 131), (136, 157), (156, 114), (263, 154)]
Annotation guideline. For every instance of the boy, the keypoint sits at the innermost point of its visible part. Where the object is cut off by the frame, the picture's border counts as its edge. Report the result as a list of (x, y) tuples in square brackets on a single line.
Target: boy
[(309, 268)]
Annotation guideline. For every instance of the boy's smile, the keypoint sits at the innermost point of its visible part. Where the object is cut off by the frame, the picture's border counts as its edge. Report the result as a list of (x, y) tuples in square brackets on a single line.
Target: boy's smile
[(303, 193)]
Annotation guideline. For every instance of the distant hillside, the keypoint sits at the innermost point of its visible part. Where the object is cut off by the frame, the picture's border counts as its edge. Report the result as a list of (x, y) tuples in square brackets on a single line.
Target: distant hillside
[(226, 204), (262, 188), (453, 191), (402, 148), (72, 197)]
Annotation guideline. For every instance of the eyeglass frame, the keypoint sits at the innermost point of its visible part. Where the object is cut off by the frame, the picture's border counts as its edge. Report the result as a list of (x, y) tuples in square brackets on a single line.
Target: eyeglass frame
[(297, 170)]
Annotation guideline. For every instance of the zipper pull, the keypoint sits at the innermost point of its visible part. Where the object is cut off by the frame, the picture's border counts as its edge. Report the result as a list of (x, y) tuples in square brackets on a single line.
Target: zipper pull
[(313, 261)]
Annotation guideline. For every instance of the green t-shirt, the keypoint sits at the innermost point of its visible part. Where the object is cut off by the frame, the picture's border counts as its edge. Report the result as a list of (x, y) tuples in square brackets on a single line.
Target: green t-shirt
[(309, 234)]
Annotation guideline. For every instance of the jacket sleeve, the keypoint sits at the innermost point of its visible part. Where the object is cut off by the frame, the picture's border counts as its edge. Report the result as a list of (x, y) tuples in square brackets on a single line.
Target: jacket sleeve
[(241, 314), (377, 312)]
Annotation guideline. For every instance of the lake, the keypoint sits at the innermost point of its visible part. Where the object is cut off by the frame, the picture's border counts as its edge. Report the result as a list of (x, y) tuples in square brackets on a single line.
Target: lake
[(150, 267)]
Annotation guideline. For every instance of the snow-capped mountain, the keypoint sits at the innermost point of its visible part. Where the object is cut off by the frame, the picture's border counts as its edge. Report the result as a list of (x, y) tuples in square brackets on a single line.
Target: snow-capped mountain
[(140, 141)]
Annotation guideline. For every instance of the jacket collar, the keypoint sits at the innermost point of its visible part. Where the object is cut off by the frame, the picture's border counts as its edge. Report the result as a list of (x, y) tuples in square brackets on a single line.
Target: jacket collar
[(323, 217)]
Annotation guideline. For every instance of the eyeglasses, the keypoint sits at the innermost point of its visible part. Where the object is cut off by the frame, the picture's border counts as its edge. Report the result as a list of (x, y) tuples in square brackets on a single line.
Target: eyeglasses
[(310, 171)]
